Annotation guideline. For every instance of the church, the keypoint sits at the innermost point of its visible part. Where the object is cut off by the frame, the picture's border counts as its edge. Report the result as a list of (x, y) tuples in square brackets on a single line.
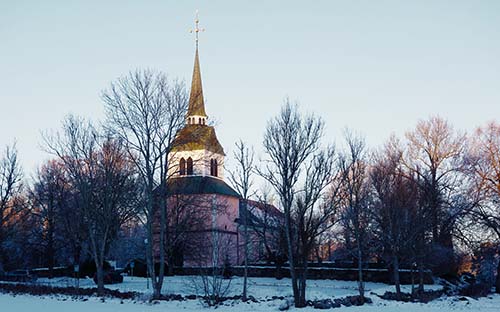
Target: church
[(204, 223)]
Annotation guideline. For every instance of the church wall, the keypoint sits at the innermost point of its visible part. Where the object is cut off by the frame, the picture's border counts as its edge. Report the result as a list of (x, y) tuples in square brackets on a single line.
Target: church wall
[(225, 236), (201, 213)]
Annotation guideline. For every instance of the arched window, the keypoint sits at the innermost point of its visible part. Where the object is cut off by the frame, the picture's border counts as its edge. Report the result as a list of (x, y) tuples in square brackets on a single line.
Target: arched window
[(199, 121), (189, 166), (182, 166), (213, 167)]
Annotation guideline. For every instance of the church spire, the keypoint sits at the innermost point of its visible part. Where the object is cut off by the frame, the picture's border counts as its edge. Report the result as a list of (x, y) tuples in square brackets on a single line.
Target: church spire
[(196, 110), (196, 102)]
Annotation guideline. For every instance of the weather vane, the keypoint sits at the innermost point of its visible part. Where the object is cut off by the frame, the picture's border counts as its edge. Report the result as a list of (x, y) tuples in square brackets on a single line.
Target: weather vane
[(196, 29)]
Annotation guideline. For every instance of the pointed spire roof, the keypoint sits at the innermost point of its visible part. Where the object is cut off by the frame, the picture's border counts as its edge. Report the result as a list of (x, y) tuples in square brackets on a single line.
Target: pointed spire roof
[(196, 102)]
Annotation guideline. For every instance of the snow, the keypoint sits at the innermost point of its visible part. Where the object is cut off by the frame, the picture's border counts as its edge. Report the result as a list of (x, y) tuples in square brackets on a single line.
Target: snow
[(55, 304), (260, 288)]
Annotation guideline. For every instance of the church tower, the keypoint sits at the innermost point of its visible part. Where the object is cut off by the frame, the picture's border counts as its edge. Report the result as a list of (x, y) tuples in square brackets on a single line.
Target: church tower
[(196, 151)]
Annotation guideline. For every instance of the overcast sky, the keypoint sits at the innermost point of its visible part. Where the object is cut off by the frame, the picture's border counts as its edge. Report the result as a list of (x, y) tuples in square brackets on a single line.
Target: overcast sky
[(374, 66)]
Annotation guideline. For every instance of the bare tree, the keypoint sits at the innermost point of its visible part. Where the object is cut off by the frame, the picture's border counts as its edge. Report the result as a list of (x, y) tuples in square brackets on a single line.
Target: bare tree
[(435, 154), (316, 209), (49, 194), (290, 141), (434, 158), (70, 219), (484, 158), (145, 110), (356, 219), (103, 178), (242, 180), (395, 207), (10, 188), (60, 226), (212, 281)]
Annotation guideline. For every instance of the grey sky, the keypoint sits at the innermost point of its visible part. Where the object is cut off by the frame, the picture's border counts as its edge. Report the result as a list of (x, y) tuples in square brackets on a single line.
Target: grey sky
[(374, 66)]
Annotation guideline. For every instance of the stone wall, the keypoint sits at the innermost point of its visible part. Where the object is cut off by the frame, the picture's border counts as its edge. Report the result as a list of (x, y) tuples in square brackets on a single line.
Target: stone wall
[(347, 274)]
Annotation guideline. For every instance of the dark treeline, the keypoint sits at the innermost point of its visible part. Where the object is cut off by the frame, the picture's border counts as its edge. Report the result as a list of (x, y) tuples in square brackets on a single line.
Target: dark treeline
[(428, 199)]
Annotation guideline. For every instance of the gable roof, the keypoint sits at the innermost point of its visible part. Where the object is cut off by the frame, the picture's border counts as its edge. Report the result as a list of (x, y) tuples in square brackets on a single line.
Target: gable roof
[(258, 212)]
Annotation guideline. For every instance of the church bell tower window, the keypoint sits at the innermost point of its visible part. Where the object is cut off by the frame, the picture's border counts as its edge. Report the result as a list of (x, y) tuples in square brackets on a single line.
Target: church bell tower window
[(189, 166), (182, 167), (213, 167)]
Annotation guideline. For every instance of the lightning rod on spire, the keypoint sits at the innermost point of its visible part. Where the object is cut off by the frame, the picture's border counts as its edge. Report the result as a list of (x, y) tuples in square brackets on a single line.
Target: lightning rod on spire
[(196, 29)]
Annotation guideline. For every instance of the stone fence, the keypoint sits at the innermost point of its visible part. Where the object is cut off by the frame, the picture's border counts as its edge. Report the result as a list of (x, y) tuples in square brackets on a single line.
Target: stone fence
[(347, 274)]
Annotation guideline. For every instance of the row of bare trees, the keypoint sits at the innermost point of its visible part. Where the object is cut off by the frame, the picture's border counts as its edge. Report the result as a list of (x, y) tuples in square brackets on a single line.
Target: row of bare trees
[(409, 203), (103, 178)]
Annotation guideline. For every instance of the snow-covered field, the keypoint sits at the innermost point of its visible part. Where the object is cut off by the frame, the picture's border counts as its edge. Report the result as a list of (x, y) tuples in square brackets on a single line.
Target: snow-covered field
[(258, 287), (261, 288)]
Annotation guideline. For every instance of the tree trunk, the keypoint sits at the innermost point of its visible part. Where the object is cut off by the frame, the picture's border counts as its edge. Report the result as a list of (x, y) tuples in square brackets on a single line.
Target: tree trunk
[(1, 258), (420, 277), (497, 286), (50, 253), (395, 263), (301, 302), (361, 283), (278, 274), (302, 283), (161, 273), (420, 261), (100, 277), (412, 272), (151, 209), (291, 261), (157, 291), (149, 251), (245, 275), (245, 259), (170, 265), (1, 243)]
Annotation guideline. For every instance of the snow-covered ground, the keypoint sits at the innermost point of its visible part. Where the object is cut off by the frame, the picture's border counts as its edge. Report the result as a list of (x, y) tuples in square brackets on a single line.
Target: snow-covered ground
[(261, 288), (258, 287)]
